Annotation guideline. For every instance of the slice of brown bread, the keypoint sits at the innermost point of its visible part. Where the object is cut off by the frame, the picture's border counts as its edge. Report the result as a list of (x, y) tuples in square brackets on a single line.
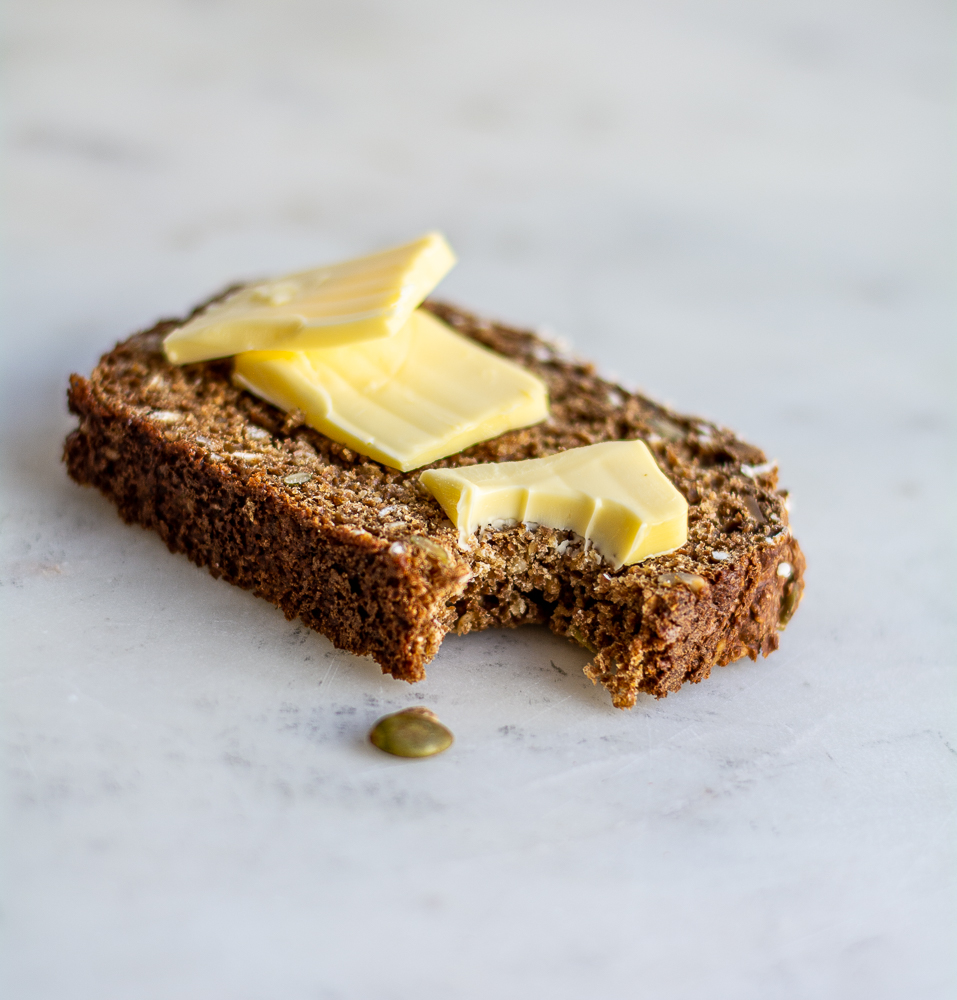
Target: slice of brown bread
[(364, 555)]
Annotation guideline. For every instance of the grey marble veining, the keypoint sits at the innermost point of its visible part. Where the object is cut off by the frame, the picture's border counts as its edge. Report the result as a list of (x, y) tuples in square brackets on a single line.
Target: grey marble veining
[(745, 209)]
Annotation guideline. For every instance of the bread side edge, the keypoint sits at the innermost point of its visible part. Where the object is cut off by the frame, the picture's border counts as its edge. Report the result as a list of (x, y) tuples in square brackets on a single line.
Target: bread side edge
[(356, 590)]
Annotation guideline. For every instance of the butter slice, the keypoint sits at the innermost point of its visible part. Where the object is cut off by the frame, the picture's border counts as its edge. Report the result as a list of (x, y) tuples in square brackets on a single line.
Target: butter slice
[(612, 494), (405, 400), (356, 300)]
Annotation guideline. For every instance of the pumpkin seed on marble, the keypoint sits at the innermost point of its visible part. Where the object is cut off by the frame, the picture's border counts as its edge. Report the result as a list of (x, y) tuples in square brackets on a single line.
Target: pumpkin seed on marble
[(413, 732)]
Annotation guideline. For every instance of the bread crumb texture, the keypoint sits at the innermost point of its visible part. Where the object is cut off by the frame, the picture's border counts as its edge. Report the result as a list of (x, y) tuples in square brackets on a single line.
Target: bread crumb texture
[(365, 555)]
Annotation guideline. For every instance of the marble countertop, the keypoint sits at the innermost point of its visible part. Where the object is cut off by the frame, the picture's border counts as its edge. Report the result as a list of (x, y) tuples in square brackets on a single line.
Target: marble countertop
[(743, 208)]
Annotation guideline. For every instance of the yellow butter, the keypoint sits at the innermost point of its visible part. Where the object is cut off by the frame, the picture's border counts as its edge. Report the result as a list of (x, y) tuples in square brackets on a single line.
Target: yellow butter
[(356, 300), (404, 400), (612, 494)]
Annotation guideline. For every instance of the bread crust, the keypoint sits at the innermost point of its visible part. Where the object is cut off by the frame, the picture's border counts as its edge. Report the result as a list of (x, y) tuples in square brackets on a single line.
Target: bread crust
[(364, 555)]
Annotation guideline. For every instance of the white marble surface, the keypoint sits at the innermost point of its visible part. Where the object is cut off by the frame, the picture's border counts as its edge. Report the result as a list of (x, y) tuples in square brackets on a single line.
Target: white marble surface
[(744, 207)]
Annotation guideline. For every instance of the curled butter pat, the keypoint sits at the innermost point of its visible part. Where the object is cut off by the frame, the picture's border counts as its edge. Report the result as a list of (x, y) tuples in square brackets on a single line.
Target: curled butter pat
[(612, 494), (404, 400), (362, 299)]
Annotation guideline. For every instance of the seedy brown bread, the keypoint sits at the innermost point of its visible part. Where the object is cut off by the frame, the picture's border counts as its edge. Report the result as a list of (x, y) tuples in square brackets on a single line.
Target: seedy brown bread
[(364, 555)]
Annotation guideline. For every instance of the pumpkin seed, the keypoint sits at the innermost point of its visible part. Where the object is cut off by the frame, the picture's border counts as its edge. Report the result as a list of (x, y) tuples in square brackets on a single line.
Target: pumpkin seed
[(436, 551), (413, 732), (789, 602), (576, 633)]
